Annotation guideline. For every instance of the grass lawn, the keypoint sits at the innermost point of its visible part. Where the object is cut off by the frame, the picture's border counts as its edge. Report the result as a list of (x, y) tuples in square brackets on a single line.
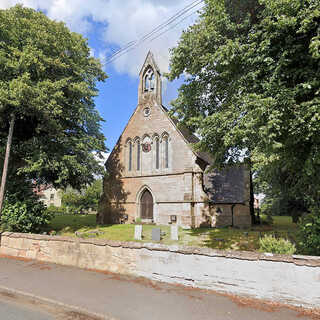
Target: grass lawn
[(222, 238)]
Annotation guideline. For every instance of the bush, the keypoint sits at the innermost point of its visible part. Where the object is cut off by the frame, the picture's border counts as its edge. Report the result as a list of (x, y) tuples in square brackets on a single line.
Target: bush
[(57, 210), (281, 246), (266, 219), (309, 234), (28, 215), (138, 221), (269, 219)]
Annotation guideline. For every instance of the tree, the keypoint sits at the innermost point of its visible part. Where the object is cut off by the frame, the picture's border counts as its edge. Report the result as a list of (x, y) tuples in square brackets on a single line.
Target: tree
[(79, 201), (26, 214), (253, 89), (48, 82)]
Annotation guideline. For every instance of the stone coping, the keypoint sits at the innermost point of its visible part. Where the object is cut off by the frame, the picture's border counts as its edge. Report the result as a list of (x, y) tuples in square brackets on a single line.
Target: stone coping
[(310, 261)]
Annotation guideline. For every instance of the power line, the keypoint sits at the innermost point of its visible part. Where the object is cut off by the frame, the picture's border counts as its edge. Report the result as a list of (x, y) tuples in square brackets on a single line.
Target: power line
[(156, 37), (173, 18), (158, 28), (133, 44), (189, 15)]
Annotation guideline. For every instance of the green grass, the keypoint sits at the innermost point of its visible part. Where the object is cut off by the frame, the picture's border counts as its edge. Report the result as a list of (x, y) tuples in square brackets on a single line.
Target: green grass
[(67, 225), (220, 238), (72, 223)]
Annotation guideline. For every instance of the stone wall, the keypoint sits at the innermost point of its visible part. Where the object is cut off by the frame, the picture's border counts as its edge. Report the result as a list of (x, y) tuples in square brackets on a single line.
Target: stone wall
[(230, 215), (291, 280)]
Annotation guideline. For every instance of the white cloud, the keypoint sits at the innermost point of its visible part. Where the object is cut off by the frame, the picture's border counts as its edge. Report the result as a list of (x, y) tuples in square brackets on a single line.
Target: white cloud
[(124, 21)]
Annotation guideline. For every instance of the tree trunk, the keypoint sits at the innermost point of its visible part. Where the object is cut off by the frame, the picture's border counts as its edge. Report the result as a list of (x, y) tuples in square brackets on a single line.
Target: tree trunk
[(6, 162)]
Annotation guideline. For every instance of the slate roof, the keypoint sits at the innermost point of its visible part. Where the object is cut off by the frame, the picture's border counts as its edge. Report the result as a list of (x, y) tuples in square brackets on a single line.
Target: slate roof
[(226, 186)]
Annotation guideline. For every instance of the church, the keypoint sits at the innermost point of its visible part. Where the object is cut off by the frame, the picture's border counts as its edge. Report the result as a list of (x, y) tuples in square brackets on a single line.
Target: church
[(155, 176)]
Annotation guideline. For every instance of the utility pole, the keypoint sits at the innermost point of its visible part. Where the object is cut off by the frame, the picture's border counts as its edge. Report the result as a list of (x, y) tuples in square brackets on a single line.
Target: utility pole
[(6, 162)]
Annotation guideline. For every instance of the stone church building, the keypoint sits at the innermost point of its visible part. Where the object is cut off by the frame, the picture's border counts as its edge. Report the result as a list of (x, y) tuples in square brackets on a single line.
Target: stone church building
[(154, 175)]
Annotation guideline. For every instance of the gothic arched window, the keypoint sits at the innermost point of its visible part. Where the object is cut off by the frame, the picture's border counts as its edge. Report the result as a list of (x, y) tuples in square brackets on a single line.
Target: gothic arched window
[(130, 156), (149, 80), (166, 151), (138, 154), (157, 153)]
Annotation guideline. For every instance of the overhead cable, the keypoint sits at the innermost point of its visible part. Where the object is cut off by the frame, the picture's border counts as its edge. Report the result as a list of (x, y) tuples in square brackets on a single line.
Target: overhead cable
[(154, 34)]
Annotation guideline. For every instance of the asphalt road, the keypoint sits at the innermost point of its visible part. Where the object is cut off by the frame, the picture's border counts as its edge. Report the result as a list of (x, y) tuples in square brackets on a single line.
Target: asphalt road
[(10, 310), (20, 307), (120, 297)]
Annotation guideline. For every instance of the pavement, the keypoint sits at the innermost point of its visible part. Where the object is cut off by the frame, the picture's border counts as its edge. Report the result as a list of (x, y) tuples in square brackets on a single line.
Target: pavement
[(61, 292)]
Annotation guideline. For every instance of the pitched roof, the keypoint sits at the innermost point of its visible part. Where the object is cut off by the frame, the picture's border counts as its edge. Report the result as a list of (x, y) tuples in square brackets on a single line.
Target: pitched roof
[(222, 186), (149, 59)]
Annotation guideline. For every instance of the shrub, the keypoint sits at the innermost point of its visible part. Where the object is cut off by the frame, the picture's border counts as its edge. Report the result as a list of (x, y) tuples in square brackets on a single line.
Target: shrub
[(28, 215), (309, 234), (266, 219), (138, 221), (269, 219), (281, 246), (57, 210)]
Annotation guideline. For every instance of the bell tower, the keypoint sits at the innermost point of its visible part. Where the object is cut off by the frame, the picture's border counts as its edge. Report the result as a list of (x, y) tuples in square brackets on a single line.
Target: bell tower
[(150, 89)]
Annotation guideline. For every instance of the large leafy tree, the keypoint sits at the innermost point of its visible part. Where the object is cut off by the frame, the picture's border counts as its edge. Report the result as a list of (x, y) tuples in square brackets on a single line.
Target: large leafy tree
[(83, 200), (48, 83), (253, 89)]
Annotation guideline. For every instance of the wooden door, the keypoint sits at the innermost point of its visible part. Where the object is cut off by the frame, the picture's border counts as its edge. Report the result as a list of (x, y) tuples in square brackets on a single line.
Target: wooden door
[(146, 205)]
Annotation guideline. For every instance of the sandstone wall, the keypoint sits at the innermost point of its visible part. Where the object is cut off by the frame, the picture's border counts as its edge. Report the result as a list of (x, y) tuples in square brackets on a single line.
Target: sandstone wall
[(241, 215), (288, 279)]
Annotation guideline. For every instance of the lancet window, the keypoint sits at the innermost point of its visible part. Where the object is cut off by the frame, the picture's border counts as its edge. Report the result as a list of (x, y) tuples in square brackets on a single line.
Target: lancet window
[(130, 156), (157, 152), (138, 154), (166, 151)]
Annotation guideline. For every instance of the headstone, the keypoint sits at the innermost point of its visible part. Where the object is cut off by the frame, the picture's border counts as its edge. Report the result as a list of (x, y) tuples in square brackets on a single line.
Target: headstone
[(138, 232), (174, 232), (156, 234)]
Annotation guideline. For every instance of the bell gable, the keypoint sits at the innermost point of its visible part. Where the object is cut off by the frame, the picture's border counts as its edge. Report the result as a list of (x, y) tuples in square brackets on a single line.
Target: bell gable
[(150, 88)]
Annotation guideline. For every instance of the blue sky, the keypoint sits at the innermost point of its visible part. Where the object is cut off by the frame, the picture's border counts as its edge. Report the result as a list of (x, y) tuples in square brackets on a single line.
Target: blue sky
[(110, 25)]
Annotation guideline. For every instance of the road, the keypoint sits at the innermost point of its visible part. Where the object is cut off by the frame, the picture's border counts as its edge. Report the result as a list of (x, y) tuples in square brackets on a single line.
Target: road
[(12, 310), (20, 307), (60, 288)]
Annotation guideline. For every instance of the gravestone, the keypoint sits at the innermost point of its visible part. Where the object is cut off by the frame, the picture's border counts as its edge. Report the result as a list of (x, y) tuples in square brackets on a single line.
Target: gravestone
[(138, 232), (156, 234), (174, 232)]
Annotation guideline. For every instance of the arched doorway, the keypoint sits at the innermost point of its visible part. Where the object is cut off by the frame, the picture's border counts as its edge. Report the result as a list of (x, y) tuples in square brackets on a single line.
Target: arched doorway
[(146, 205)]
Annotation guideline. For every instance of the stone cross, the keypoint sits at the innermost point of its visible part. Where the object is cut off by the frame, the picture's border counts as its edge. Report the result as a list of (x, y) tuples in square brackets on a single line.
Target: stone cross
[(156, 234), (138, 232), (174, 232)]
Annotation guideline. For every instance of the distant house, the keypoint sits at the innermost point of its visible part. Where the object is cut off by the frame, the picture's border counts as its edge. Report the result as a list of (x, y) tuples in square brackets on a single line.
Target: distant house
[(48, 195), (155, 175), (256, 203)]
